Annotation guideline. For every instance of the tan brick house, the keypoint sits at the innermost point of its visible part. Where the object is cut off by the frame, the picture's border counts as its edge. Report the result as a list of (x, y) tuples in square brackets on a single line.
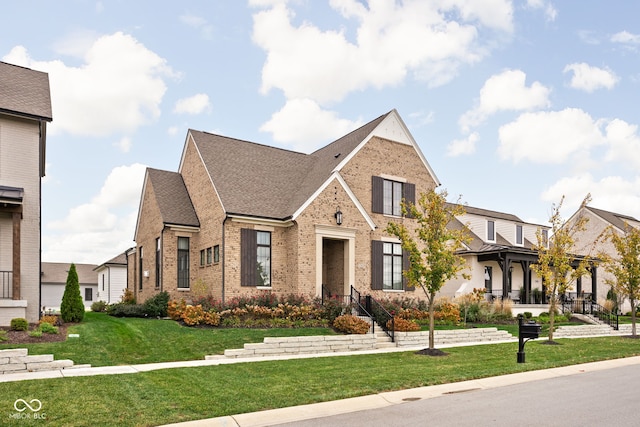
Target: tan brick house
[(25, 110), (239, 217), (591, 242)]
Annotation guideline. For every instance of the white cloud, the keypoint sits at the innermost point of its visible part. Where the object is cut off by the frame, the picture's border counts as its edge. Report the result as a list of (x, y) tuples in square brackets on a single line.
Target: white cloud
[(96, 231), (612, 193), (626, 37), (422, 118), (588, 78), (464, 146), (195, 104), (549, 137), (304, 126), (506, 91), (624, 143), (118, 88), (199, 23), (124, 144), (393, 40), (550, 11)]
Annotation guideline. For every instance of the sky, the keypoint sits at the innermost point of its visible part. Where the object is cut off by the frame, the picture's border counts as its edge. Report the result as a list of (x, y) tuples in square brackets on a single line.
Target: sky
[(515, 104)]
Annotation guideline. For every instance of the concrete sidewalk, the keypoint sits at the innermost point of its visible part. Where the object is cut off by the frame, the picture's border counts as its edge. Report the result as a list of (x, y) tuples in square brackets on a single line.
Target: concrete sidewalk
[(374, 401)]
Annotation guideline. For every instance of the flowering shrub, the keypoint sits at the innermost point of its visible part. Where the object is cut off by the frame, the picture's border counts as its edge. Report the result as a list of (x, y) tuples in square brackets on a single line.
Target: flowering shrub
[(51, 319), (193, 315), (350, 324), (446, 311), (211, 318), (403, 325), (175, 309)]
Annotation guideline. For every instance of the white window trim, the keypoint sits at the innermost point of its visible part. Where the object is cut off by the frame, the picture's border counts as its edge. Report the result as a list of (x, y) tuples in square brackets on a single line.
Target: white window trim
[(516, 235), (486, 233)]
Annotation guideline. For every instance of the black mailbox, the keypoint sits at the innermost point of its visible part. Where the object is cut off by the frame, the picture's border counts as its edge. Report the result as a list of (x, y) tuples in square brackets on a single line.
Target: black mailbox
[(530, 330), (526, 331)]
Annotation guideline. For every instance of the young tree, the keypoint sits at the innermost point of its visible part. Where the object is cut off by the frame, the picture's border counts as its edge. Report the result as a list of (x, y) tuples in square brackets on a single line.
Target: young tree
[(625, 266), (432, 246), (557, 267), (72, 307)]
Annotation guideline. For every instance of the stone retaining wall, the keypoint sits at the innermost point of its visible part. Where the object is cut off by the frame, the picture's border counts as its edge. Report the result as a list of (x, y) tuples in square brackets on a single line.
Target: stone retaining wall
[(17, 360), (453, 336), (305, 345), (334, 343), (589, 330)]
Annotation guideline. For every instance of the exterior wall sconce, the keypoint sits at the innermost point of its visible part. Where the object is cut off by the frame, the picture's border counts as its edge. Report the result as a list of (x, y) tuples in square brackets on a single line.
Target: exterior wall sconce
[(338, 216)]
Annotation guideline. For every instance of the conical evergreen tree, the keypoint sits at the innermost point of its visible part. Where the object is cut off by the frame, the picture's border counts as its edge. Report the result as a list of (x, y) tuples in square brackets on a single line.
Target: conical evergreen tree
[(72, 307)]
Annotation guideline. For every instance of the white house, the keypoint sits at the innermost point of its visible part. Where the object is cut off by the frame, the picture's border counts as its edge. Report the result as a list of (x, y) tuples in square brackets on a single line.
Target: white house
[(54, 280), (112, 279), (25, 110)]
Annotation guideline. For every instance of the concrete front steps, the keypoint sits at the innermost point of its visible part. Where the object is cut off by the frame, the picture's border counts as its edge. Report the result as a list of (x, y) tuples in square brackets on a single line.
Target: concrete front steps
[(13, 361), (284, 346)]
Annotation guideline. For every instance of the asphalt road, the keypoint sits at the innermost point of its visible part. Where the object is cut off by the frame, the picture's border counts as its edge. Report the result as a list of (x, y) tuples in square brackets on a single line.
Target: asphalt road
[(608, 397)]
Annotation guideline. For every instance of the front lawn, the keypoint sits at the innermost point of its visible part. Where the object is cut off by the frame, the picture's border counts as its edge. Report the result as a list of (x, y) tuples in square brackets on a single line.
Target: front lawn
[(174, 395), (105, 340)]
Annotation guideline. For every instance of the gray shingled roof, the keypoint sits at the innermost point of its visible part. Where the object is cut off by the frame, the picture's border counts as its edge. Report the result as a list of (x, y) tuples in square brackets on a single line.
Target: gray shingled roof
[(172, 198), (24, 92), (57, 272), (615, 219), (492, 214), (120, 259), (268, 182)]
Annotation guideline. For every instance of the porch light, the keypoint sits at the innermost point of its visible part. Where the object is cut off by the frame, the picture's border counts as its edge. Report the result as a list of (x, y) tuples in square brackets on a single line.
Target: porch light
[(338, 216)]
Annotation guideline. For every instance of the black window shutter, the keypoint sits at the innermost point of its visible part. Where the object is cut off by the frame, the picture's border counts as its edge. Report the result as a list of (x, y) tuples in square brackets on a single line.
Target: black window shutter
[(406, 263), (377, 194), (409, 195), (248, 257), (376, 264)]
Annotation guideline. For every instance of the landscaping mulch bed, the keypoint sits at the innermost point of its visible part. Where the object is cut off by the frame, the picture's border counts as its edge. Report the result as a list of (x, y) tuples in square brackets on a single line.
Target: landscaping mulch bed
[(22, 337)]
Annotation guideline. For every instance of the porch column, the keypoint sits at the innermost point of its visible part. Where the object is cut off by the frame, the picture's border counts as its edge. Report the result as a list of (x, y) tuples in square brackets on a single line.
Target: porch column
[(594, 283), (17, 220), (526, 281), (505, 277)]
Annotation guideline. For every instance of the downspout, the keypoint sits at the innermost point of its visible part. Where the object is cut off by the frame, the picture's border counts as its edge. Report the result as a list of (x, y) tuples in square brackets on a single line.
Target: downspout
[(40, 254), (224, 251)]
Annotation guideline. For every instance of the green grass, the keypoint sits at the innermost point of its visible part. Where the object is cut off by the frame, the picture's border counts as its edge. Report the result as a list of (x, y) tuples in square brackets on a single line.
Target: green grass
[(175, 395), (106, 340)]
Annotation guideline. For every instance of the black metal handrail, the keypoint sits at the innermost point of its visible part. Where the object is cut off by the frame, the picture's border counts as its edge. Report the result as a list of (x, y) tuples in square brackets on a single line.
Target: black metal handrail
[(586, 306), (383, 318), (353, 301), (6, 283)]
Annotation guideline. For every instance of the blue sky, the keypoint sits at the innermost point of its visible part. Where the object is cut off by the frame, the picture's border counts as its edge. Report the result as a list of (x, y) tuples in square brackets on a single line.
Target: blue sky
[(514, 104)]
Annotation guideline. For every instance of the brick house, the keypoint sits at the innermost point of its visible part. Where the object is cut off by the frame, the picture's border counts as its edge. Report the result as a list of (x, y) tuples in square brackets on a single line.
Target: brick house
[(25, 110), (239, 218), (590, 242)]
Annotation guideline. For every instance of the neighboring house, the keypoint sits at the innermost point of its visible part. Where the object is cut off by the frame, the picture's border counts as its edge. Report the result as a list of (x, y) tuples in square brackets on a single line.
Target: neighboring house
[(54, 280), (112, 279), (25, 110), (499, 256), (240, 218), (590, 242)]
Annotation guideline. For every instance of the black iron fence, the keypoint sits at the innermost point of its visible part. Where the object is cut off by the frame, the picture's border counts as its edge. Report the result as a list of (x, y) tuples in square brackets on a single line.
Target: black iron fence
[(6, 281)]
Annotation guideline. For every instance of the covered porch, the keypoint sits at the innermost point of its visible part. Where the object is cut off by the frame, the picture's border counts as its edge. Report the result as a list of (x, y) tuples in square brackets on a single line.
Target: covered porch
[(510, 258)]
